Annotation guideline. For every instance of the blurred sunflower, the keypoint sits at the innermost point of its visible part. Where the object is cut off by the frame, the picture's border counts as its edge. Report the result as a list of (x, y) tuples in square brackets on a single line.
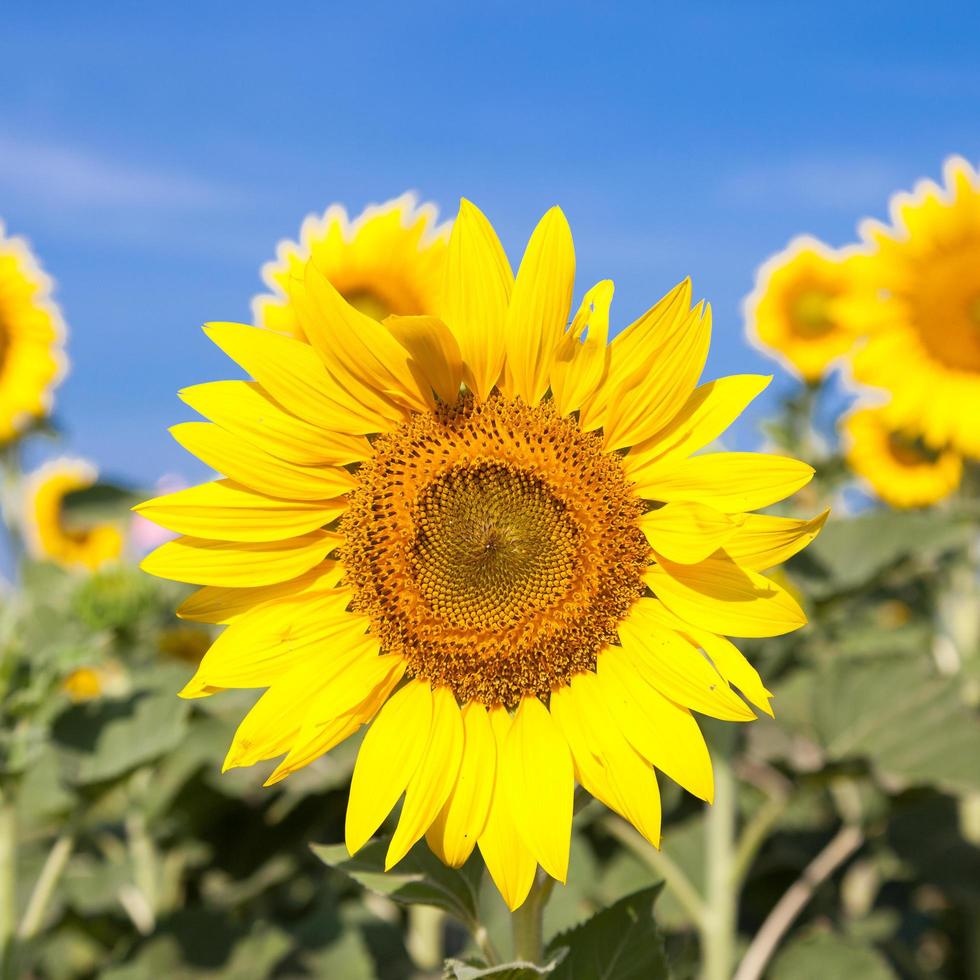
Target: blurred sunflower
[(794, 310), (388, 260), (899, 467), (32, 359), (82, 684), (516, 591), (923, 315), (47, 534)]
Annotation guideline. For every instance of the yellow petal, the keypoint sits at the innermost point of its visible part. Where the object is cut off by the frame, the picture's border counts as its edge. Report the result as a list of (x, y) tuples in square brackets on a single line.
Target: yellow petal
[(664, 733), (726, 657), (708, 412), (721, 597), (247, 411), (389, 756), (763, 542), (454, 832), (730, 482), (539, 306), (430, 786), (475, 295), (243, 463), (220, 605), (606, 765), (579, 366), (230, 512), (634, 348), (434, 353), (509, 860), (653, 401), (290, 371), (358, 352), (203, 562), (539, 782), (687, 532), (671, 665), (305, 695), (376, 681), (267, 642)]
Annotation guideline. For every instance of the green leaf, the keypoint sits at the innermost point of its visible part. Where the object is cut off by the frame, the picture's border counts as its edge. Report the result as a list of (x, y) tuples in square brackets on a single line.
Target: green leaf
[(101, 502), (106, 738), (824, 955), (518, 970), (420, 878), (618, 943), (909, 723), (848, 553)]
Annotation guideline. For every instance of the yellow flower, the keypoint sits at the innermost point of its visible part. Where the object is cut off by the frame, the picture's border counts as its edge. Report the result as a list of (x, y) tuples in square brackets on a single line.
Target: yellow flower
[(32, 360), (793, 312), (89, 683), (924, 320), (82, 684), (900, 469), (516, 590), (46, 534), (388, 260)]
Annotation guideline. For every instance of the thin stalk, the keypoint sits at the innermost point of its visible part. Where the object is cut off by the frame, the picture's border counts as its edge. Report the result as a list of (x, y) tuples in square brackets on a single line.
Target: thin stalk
[(482, 939), (45, 885), (8, 885), (661, 863), (424, 940), (718, 931), (527, 922), (143, 857), (755, 833), (766, 941)]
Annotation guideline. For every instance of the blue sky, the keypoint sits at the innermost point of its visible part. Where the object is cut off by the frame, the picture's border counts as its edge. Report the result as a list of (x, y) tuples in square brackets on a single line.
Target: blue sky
[(154, 154)]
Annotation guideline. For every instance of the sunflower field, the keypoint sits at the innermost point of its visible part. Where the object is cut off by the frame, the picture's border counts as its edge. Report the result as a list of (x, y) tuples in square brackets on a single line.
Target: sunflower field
[(434, 678), (489, 491)]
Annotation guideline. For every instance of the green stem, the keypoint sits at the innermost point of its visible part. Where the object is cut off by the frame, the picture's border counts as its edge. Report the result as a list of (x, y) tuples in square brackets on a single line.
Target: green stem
[(45, 885), (8, 884), (527, 922), (755, 834), (719, 925)]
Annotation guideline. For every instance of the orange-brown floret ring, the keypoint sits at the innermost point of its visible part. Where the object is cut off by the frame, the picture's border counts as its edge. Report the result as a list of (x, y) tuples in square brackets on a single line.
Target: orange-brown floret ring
[(495, 546)]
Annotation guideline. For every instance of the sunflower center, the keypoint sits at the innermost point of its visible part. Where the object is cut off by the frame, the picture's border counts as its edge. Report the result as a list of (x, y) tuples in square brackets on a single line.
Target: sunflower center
[(368, 302), (491, 544), (909, 450), (944, 303), (495, 546), (811, 313), (973, 310)]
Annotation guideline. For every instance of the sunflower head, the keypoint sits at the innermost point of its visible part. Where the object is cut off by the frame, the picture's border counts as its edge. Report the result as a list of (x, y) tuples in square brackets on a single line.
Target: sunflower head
[(488, 534), (795, 311), (895, 462), (32, 359), (922, 319), (49, 536), (387, 260)]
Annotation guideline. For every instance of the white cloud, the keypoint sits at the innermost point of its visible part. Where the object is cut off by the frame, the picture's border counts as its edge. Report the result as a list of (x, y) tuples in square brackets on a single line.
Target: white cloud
[(59, 175), (838, 184)]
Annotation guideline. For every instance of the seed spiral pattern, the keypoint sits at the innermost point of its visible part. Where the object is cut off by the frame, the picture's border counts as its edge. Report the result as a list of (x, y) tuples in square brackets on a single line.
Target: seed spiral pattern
[(495, 546)]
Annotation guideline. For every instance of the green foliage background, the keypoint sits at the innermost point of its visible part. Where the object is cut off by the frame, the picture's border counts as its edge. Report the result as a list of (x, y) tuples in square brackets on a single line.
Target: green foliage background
[(125, 854)]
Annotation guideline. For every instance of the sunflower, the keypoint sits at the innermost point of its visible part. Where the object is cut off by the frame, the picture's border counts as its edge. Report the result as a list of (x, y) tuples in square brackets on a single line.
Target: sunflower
[(923, 320), (47, 535), (901, 470), (794, 311), (388, 260), (32, 360), (484, 535)]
